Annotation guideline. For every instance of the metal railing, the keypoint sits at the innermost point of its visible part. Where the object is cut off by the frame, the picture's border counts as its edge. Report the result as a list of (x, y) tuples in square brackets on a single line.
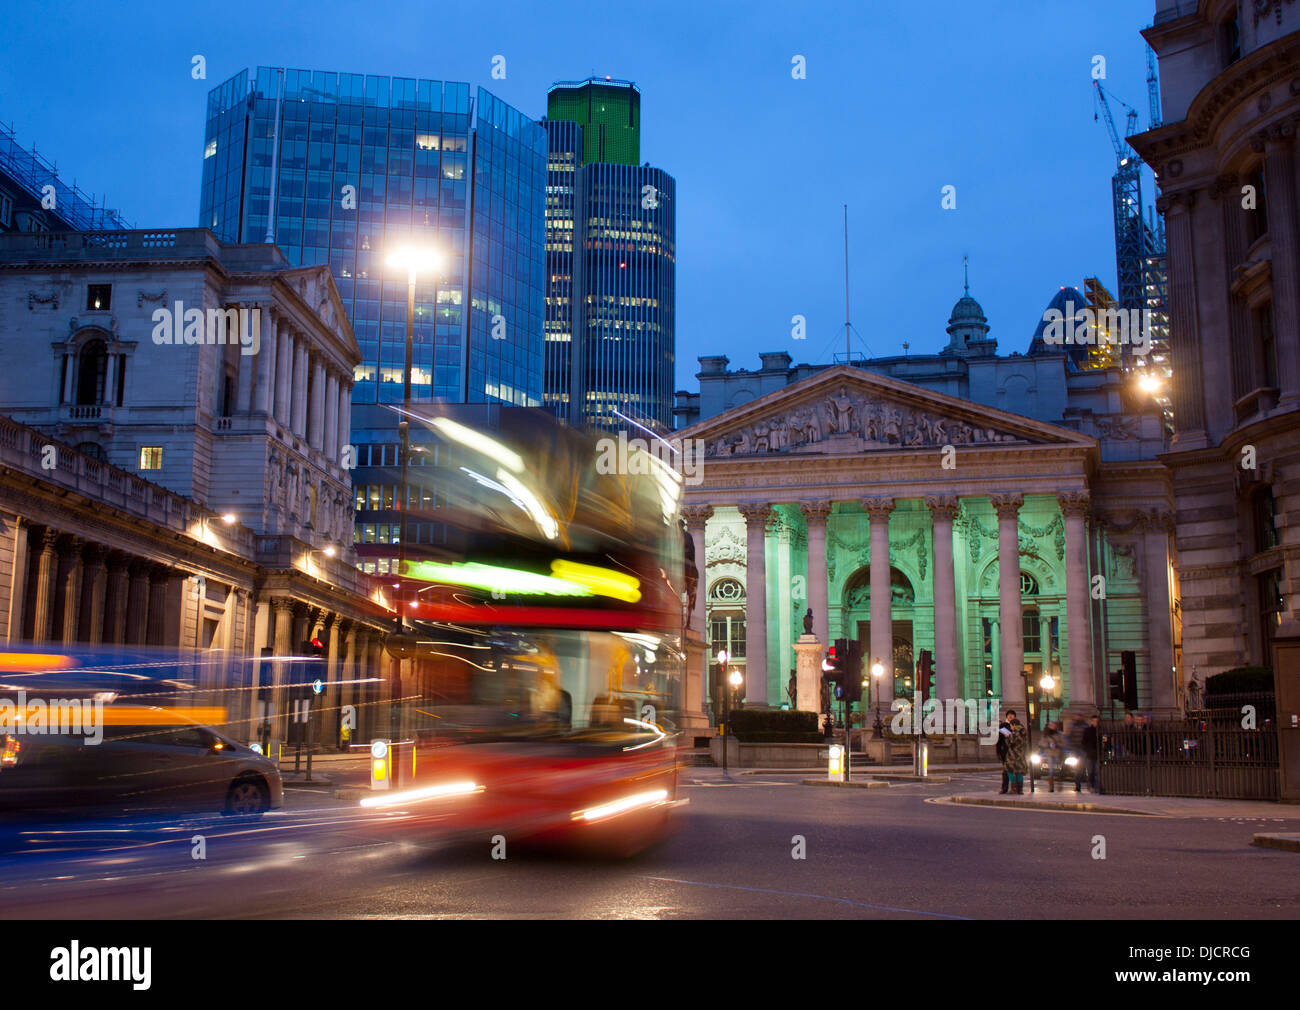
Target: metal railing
[(1210, 754)]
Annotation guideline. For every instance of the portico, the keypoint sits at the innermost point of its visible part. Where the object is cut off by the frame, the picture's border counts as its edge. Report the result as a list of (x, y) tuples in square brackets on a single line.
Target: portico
[(909, 519)]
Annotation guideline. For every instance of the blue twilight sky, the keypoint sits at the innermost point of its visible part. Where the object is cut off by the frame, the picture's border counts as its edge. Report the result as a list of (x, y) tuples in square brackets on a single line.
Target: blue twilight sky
[(900, 100)]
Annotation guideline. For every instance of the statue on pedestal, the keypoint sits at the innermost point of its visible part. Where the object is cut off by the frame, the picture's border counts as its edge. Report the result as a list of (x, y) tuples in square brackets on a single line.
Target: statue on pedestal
[(808, 622)]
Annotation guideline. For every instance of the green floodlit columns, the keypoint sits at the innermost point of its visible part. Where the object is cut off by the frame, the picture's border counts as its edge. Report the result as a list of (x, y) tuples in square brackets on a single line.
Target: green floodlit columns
[(882, 628), (757, 515), (1078, 619), (1007, 506), (947, 663), (816, 513)]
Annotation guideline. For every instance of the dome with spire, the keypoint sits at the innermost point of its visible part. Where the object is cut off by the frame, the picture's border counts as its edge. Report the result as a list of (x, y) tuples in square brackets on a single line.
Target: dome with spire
[(968, 327)]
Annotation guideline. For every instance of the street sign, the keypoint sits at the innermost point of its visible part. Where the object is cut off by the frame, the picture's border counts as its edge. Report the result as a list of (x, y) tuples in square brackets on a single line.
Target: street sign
[(316, 686)]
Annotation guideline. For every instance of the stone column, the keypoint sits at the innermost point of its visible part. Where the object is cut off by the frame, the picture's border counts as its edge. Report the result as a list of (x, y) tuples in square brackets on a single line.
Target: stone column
[(1280, 174), (69, 376), (264, 398), (18, 575), (361, 692), (47, 573), (115, 600), (316, 404), (816, 512), (284, 363), (247, 365), (300, 366), (1013, 629), (71, 567), (1184, 334), (329, 722), (93, 587), (947, 661), (1155, 555), (157, 623), (345, 414), (138, 604), (110, 380), (882, 620), (1078, 599), (757, 515), (282, 614), (331, 440), (696, 692), (348, 673)]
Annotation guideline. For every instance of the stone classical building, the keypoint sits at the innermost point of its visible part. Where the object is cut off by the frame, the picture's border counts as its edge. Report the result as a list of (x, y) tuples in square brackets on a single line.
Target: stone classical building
[(178, 492), (1016, 505), (1225, 160)]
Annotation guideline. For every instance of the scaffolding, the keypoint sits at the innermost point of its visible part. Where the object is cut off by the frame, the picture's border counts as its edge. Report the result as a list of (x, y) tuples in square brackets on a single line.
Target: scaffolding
[(77, 210)]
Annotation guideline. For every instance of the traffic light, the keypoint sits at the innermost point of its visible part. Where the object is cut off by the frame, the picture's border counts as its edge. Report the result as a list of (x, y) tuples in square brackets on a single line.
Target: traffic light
[(924, 673), (854, 674), (1115, 681)]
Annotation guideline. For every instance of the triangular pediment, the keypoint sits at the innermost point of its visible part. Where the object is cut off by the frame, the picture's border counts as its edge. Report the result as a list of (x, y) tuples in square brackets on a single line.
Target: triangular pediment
[(845, 409)]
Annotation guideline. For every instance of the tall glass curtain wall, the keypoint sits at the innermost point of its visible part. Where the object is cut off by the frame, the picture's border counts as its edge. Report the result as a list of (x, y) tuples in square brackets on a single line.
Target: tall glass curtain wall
[(362, 164)]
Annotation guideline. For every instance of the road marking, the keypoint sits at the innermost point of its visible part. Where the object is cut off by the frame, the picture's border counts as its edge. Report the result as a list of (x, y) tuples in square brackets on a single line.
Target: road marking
[(949, 801), (800, 894)]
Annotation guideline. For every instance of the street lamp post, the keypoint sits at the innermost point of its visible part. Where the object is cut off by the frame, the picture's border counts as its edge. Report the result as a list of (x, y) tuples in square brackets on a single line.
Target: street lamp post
[(723, 690), (877, 671), (733, 685), (414, 260)]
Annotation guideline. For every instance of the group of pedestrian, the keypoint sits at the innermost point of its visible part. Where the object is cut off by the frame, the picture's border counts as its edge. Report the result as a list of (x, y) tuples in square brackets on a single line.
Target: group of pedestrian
[(1083, 741)]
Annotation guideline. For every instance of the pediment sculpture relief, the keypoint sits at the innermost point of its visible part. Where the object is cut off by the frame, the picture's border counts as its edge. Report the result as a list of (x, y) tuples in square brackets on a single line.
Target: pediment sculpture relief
[(850, 420)]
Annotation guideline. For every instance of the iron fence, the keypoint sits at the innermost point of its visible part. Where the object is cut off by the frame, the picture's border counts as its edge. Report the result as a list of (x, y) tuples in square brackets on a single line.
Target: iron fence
[(1217, 753)]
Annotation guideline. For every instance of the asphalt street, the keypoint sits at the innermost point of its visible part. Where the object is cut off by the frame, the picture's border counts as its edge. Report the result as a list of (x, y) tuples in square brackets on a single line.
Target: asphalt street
[(901, 852)]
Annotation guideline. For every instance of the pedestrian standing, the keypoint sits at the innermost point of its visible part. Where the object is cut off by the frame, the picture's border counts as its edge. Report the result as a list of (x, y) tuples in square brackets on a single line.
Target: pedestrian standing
[(1003, 731), (1016, 762), (1090, 745)]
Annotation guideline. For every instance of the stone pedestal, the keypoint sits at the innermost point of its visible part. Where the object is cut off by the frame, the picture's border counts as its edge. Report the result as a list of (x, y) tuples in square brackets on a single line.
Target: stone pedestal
[(808, 673), (695, 720)]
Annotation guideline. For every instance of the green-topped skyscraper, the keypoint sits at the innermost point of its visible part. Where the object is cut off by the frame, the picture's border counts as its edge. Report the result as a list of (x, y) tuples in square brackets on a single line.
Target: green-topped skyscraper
[(609, 113)]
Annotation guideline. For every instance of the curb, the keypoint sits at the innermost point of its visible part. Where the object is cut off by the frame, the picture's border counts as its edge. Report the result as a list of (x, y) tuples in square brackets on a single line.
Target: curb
[(1287, 843), (912, 778), (850, 785), (1073, 806)]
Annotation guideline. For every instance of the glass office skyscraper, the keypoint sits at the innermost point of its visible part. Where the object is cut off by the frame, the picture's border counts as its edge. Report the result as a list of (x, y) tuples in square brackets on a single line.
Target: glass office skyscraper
[(611, 262), (341, 168)]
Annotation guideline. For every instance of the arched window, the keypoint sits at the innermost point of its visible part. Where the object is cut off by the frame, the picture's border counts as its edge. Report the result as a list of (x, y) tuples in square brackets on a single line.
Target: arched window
[(1028, 584), (92, 366)]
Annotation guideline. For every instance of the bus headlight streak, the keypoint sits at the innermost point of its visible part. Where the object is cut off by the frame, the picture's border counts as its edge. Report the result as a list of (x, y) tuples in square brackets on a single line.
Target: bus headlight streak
[(426, 793), (622, 806), (645, 725), (489, 447)]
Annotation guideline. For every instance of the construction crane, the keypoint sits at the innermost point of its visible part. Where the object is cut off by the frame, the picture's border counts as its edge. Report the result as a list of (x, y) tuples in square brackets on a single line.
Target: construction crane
[(1139, 247), (1153, 90)]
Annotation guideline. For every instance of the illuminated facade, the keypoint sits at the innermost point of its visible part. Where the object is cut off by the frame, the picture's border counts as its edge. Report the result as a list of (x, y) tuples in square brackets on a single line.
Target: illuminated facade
[(611, 264), (338, 169)]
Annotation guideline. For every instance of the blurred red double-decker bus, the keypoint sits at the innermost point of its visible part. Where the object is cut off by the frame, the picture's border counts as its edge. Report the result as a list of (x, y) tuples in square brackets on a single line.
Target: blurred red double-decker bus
[(543, 606)]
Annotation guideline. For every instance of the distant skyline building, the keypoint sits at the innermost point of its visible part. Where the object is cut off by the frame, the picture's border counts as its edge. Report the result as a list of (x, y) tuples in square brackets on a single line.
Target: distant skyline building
[(611, 262), (340, 169), (34, 199)]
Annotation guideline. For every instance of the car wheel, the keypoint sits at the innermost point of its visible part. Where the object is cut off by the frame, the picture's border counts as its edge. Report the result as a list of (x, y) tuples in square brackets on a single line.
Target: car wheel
[(247, 796)]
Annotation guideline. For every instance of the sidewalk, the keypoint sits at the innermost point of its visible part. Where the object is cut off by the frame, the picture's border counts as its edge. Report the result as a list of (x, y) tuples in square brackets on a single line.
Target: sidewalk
[(1152, 806)]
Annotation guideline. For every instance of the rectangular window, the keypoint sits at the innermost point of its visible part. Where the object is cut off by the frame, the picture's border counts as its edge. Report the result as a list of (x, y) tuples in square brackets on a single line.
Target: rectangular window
[(99, 297), (1263, 326), (388, 496), (1032, 634), (151, 457), (6, 210), (372, 494)]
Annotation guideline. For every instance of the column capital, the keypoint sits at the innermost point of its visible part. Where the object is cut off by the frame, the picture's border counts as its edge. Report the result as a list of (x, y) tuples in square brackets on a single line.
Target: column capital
[(878, 507), (70, 543), (1159, 520), (1007, 504), (50, 539), (943, 506), (755, 512), (95, 555), (282, 604), (1226, 183), (816, 511), (1075, 504), (696, 515), (1182, 199)]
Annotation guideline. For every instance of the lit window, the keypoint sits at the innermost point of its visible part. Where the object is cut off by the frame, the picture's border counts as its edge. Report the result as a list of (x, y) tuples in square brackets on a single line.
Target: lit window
[(151, 457), (99, 297), (210, 149)]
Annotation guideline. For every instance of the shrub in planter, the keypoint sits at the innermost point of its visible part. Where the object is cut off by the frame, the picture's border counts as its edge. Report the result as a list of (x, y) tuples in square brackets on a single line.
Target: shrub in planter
[(774, 725)]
